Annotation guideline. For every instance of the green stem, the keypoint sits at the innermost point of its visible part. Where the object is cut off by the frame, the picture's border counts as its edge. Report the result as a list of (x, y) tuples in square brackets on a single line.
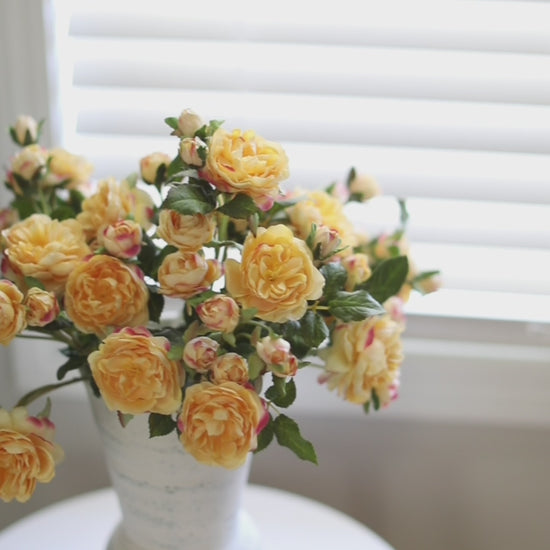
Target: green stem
[(43, 390)]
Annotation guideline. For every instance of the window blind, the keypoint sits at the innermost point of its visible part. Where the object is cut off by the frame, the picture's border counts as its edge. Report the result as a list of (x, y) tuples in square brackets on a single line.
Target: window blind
[(446, 104)]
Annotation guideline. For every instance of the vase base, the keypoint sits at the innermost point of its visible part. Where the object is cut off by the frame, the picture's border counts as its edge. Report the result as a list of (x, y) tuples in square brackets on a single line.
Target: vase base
[(247, 537)]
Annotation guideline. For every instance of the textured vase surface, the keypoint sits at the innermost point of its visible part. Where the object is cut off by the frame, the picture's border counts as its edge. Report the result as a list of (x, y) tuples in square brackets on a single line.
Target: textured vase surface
[(169, 501)]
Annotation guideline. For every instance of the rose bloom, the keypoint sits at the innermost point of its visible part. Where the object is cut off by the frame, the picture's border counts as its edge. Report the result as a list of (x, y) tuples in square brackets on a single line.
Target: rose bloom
[(113, 202), (23, 125), (246, 163), (134, 373), (185, 274), (186, 232), (322, 209), (28, 454), (200, 353), (121, 239), (276, 275), (66, 166), (328, 240), (219, 313), (42, 307), (364, 356), (275, 352), (12, 312), (149, 166), (219, 423), (105, 293), (230, 367), (191, 149), (358, 269), (45, 249), (26, 164)]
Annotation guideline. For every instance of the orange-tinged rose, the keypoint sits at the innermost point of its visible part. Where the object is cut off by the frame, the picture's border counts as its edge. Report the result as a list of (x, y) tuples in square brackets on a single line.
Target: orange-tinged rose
[(230, 367), (219, 313), (275, 352), (28, 454), (186, 232), (276, 275), (121, 239), (134, 373), (200, 353), (246, 163), (364, 356), (104, 293), (219, 423), (12, 312), (185, 274), (45, 249), (42, 307), (114, 201)]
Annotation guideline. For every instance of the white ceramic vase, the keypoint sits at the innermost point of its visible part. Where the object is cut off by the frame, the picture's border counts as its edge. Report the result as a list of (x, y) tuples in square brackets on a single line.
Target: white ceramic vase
[(169, 501)]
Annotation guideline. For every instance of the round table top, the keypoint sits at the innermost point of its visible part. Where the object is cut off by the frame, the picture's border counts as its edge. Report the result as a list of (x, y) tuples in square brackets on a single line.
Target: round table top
[(87, 521)]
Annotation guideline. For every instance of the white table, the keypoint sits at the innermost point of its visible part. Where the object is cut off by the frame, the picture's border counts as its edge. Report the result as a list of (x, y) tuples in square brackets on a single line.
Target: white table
[(86, 522)]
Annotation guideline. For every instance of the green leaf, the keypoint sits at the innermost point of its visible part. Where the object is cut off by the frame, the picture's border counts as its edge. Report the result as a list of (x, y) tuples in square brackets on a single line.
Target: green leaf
[(354, 306), (265, 437), (387, 278), (240, 207), (335, 275), (303, 335), (190, 198), (255, 366), (375, 399), (46, 411), (72, 363), (160, 424), (62, 212), (352, 174), (32, 282), (124, 418), (172, 122), (288, 435), (24, 206), (175, 167), (282, 393)]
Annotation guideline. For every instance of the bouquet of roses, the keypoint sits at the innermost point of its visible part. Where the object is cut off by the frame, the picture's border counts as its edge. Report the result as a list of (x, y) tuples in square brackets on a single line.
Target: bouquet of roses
[(263, 283)]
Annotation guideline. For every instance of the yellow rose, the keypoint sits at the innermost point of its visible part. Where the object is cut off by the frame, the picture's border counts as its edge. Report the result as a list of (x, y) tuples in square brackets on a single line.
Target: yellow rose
[(42, 307), (276, 275), (45, 249), (121, 239), (188, 123), (230, 367), (240, 162), (186, 232), (219, 422), (185, 274), (28, 454), (66, 166), (113, 202), (149, 166), (12, 312), (104, 293), (134, 373), (364, 356), (219, 313), (191, 149), (366, 187), (322, 209)]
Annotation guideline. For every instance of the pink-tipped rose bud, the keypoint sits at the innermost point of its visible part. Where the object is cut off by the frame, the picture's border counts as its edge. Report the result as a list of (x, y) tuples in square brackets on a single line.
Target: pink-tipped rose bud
[(201, 353), (25, 130), (357, 266), (26, 164), (42, 307), (122, 239), (191, 149), (275, 352), (150, 165), (230, 367), (219, 313), (328, 240), (188, 123)]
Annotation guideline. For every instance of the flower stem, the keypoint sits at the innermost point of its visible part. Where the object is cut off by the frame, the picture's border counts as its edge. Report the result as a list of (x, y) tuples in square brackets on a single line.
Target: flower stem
[(43, 390)]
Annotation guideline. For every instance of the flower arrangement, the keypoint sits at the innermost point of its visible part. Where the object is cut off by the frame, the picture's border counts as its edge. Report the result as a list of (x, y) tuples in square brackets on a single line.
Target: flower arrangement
[(263, 282)]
